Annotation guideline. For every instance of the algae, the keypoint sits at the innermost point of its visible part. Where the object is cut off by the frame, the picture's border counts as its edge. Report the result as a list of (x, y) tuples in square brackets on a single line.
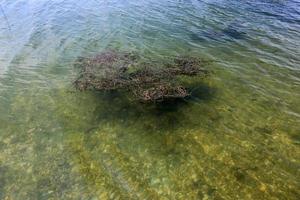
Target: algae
[(112, 70)]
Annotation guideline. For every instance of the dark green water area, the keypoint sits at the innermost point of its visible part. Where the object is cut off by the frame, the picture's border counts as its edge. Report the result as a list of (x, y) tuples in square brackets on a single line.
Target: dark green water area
[(236, 137)]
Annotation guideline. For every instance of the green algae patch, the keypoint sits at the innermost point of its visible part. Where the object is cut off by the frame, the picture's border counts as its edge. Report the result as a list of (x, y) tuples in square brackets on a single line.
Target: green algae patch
[(112, 70)]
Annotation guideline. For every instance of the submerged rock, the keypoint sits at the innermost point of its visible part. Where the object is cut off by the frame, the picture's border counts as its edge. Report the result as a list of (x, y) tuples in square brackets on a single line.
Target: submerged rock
[(112, 70)]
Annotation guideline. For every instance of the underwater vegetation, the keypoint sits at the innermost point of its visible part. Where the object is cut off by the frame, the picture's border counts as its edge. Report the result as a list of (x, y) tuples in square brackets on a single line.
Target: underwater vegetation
[(233, 31), (112, 70)]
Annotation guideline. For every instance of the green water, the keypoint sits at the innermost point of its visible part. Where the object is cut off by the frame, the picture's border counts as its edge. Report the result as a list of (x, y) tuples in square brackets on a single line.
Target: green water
[(236, 138)]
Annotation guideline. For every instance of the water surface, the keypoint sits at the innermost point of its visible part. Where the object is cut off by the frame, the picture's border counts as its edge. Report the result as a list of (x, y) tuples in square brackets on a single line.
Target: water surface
[(236, 138)]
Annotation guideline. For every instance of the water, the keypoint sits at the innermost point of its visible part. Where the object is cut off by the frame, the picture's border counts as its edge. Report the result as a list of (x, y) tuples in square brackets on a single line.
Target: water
[(237, 138)]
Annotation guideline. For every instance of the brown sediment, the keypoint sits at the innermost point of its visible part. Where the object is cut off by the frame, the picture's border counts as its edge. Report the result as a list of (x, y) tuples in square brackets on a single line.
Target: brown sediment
[(112, 70)]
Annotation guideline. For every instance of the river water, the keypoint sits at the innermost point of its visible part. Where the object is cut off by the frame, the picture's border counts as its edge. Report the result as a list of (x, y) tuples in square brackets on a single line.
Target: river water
[(236, 138)]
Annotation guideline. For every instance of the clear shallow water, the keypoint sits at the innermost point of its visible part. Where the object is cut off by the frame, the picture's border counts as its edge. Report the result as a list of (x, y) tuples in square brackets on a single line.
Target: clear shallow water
[(237, 138)]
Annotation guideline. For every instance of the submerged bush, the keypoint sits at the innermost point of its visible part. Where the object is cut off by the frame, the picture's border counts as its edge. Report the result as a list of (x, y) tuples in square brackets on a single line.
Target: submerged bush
[(112, 70)]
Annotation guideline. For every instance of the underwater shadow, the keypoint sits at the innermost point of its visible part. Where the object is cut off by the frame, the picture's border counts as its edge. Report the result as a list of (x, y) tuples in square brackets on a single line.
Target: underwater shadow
[(165, 116), (202, 92)]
